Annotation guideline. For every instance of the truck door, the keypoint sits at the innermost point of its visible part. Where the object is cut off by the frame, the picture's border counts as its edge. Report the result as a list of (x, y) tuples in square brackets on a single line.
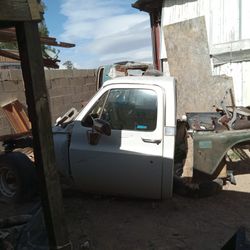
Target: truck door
[(129, 162)]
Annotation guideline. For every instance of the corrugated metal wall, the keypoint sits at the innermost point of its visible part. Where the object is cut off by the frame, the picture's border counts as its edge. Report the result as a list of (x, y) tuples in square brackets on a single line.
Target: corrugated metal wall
[(226, 21)]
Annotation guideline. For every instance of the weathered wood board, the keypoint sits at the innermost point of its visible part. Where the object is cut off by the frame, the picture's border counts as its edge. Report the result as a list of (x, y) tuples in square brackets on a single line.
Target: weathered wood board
[(20, 10), (189, 62), (39, 114)]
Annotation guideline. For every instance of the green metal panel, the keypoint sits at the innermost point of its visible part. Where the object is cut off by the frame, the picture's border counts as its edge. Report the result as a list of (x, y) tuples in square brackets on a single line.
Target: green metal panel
[(211, 147)]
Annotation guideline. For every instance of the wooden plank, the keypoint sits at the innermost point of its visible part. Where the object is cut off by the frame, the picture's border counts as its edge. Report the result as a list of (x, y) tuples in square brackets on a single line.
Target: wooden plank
[(19, 10), (50, 63), (17, 116), (38, 108), (7, 35)]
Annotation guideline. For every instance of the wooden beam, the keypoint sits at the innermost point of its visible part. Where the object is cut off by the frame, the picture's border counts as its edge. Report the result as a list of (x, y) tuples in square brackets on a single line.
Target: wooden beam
[(50, 63), (20, 10), (9, 35), (38, 110)]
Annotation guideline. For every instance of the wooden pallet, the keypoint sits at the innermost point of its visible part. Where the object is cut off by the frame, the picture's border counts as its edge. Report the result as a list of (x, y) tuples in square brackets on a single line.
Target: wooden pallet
[(17, 117)]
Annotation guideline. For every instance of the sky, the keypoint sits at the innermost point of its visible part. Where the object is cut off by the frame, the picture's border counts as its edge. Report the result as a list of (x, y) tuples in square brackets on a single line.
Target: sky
[(104, 31)]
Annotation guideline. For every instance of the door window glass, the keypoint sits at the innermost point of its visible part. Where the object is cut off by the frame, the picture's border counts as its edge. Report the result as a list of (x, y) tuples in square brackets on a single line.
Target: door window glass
[(127, 109), (131, 109)]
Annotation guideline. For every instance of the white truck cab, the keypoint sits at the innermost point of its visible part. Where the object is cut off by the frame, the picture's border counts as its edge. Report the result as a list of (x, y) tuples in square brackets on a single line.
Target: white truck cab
[(137, 158)]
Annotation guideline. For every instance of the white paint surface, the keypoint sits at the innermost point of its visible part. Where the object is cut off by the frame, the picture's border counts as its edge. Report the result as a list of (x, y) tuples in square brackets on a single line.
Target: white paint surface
[(226, 21)]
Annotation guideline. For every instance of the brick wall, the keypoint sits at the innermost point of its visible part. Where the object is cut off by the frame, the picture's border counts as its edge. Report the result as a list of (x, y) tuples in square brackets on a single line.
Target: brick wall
[(66, 89)]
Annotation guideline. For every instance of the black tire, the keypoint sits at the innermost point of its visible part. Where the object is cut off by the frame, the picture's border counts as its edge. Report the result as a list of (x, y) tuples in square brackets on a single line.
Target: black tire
[(18, 179), (195, 190)]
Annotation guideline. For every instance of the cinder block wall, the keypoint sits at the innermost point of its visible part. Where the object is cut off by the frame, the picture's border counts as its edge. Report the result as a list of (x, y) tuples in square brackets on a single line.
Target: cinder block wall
[(66, 89)]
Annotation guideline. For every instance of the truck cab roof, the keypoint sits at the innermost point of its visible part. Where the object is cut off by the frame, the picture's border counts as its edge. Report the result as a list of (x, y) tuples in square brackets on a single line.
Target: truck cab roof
[(162, 81)]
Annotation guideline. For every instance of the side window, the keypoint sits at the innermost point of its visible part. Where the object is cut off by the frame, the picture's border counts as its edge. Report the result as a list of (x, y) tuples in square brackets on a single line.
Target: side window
[(127, 109), (131, 109)]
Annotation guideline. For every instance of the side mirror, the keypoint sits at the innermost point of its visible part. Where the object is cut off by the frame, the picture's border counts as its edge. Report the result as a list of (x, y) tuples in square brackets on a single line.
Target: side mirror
[(102, 126), (99, 127), (88, 121)]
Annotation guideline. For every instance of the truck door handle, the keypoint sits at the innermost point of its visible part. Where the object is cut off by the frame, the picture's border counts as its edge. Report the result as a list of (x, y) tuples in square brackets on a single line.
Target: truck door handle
[(151, 140)]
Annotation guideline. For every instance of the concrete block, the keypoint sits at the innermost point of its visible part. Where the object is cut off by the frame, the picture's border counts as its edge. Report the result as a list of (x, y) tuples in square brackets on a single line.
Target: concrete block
[(4, 123), (77, 81), (91, 72), (91, 80), (54, 117), (10, 86), (59, 83), (16, 75), (77, 97), (1, 86), (55, 83), (5, 75), (20, 96), (47, 74), (91, 88), (54, 74), (78, 89), (48, 84), (67, 99), (56, 92), (79, 73), (20, 85), (7, 98), (5, 131), (68, 73), (57, 101), (64, 82)]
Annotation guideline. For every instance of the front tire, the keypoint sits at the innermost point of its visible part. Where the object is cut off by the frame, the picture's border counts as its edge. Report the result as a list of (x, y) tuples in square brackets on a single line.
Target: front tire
[(18, 179)]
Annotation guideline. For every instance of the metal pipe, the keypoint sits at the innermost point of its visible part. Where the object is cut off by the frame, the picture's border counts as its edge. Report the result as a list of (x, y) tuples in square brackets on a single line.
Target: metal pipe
[(155, 21)]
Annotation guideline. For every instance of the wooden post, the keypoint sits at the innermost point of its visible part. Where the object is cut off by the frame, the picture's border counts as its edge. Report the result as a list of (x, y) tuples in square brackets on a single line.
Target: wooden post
[(38, 110)]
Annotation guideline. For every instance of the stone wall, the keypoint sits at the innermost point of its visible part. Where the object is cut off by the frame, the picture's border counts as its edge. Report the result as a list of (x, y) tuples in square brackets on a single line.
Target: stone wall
[(66, 89)]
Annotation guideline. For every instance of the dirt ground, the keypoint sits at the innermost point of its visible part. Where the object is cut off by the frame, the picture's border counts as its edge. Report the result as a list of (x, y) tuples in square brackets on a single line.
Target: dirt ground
[(108, 223)]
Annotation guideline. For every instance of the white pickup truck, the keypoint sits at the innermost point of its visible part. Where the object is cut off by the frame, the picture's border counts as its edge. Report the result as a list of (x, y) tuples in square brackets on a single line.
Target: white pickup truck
[(125, 142)]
